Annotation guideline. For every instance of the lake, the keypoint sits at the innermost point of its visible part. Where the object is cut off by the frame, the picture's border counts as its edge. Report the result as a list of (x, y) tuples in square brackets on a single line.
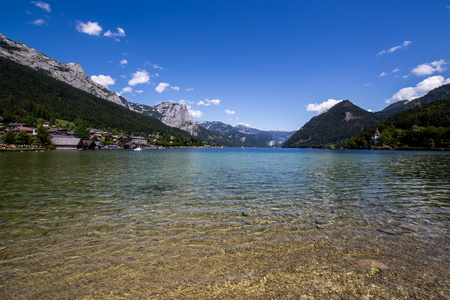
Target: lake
[(224, 223)]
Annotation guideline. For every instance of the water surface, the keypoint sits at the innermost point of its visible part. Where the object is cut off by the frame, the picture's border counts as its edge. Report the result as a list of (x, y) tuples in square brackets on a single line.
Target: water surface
[(224, 223)]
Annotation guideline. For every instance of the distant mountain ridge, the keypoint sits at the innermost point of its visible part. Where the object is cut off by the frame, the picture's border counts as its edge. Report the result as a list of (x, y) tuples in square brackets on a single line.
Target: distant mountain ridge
[(248, 136)]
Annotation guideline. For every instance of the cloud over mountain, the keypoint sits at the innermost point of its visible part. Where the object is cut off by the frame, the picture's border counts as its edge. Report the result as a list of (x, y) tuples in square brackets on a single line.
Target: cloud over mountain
[(103, 80), (208, 102), (139, 77), (322, 107), (423, 87)]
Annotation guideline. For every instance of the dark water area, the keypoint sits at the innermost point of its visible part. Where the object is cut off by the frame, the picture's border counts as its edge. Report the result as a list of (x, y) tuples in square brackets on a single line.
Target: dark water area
[(224, 223)]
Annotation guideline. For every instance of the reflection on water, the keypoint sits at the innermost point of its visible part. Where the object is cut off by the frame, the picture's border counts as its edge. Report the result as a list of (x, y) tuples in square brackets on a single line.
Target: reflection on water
[(234, 223)]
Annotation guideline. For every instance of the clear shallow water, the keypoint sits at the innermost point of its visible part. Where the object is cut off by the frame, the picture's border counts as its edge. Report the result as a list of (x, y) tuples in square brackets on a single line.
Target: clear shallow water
[(233, 223)]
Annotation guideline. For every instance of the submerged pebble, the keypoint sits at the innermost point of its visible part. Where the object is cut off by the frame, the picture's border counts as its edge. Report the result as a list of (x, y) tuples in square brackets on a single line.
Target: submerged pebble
[(409, 227), (387, 231), (367, 264)]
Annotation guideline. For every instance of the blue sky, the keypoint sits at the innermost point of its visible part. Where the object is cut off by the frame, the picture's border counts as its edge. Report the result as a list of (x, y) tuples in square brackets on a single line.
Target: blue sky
[(268, 64)]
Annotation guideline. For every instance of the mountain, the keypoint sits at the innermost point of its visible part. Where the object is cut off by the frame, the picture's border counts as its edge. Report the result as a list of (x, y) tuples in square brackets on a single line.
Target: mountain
[(27, 94), (71, 73), (334, 127), (250, 137), (171, 114)]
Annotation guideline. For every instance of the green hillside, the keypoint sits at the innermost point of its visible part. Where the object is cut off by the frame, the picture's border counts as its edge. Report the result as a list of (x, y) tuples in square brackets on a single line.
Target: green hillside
[(26, 94), (426, 126), (334, 127)]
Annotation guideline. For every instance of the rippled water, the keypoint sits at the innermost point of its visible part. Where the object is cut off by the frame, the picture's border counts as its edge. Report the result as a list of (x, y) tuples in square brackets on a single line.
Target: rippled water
[(233, 223)]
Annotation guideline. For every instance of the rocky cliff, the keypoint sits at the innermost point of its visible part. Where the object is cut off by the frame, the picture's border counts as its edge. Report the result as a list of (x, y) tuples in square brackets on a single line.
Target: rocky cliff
[(172, 114), (71, 73)]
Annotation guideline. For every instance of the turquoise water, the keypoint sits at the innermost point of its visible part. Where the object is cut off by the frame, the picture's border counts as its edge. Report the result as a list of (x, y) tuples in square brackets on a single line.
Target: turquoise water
[(96, 224)]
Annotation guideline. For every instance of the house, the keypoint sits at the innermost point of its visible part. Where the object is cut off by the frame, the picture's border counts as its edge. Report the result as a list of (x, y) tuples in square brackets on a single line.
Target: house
[(87, 145), (29, 130), (66, 142), (59, 131), (13, 125), (130, 145), (96, 133), (376, 136), (138, 140)]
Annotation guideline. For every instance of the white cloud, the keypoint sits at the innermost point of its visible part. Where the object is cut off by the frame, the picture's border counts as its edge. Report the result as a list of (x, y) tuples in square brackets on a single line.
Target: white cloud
[(103, 80), (383, 74), (229, 112), (139, 77), (196, 113), (116, 35), (367, 84), (123, 62), (423, 87), (157, 67), (161, 87), (395, 70), (91, 28), (39, 22), (43, 5), (428, 69), (209, 102), (185, 102), (126, 90), (189, 89), (390, 50), (139, 91), (322, 107)]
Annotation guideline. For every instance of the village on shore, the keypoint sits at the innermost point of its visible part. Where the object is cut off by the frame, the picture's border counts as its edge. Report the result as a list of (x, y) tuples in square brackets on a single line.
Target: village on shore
[(21, 136)]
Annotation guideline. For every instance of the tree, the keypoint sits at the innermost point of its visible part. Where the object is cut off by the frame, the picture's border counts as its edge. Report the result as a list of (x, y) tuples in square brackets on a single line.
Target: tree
[(22, 138), (43, 136), (82, 132), (384, 140), (10, 137), (430, 143)]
